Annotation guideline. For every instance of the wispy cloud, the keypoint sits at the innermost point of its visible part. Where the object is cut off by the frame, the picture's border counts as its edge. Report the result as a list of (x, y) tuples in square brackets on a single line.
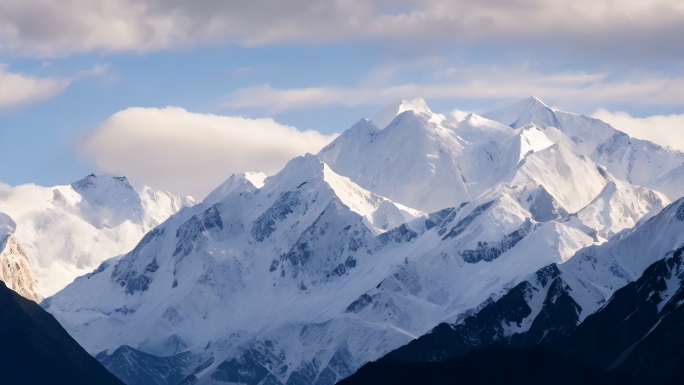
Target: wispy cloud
[(19, 90), (473, 84), (191, 153)]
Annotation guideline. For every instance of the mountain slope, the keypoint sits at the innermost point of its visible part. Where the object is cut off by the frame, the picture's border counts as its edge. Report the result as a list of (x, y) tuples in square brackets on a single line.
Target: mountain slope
[(388, 289), (66, 231), (637, 330), (412, 161), (548, 305), (636, 337), (620, 206), (672, 183), (299, 236), (424, 161), (35, 349), (305, 279), (254, 179)]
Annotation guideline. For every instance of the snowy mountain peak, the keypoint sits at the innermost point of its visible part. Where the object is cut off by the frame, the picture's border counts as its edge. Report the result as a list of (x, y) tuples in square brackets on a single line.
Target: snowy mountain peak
[(246, 180), (534, 99), (383, 118), (302, 169), (308, 172), (382, 213), (413, 161), (620, 206), (530, 110), (101, 181)]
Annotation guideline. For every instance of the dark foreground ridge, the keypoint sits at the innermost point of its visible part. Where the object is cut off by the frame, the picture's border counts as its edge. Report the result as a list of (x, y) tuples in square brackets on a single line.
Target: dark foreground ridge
[(35, 349), (637, 337), (532, 366)]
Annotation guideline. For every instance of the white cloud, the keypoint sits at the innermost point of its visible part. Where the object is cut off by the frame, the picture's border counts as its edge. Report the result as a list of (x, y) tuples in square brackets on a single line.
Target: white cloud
[(474, 83), (47, 27), (665, 130), (18, 90), (191, 153)]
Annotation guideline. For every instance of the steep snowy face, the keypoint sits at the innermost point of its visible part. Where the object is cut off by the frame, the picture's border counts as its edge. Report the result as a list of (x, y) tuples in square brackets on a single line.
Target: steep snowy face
[(430, 164), (425, 162), (628, 253), (594, 273), (490, 151), (106, 201), (379, 211), (532, 139), (549, 304), (66, 231), (633, 160), (14, 265), (672, 183), (413, 161), (572, 180), (620, 206), (524, 112), (636, 161)]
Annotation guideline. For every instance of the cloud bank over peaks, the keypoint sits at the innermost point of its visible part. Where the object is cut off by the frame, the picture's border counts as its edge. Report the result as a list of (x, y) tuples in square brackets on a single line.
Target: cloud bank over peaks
[(192, 153)]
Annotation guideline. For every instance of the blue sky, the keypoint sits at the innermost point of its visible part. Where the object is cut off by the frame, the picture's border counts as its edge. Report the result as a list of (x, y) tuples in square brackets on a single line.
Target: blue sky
[(313, 66)]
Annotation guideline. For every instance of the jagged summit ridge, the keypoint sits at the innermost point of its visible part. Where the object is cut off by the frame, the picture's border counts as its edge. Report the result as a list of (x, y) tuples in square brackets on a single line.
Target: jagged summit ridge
[(332, 262), (383, 118), (524, 112), (234, 182), (636, 161)]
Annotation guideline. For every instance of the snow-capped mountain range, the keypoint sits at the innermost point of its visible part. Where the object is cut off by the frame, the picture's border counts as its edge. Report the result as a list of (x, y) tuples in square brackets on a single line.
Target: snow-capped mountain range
[(63, 232), (405, 221)]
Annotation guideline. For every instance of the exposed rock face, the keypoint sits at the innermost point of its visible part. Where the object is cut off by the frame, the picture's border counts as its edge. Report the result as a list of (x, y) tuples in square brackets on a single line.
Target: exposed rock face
[(15, 270)]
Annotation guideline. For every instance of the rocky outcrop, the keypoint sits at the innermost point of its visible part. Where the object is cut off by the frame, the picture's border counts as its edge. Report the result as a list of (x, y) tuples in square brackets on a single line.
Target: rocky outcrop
[(15, 270)]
